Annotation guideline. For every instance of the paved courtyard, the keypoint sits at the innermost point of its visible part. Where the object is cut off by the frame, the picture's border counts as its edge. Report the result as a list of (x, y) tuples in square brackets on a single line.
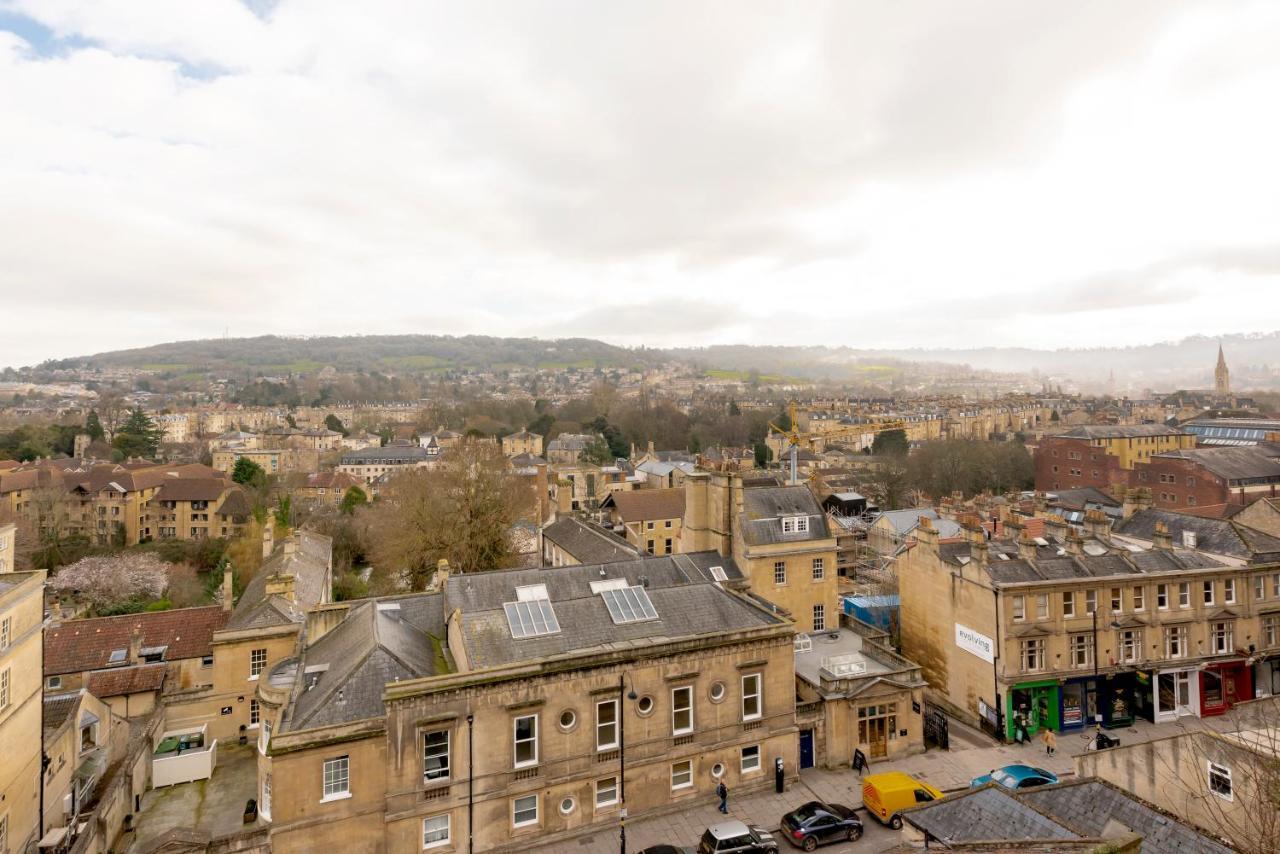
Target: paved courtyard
[(215, 806), (972, 754)]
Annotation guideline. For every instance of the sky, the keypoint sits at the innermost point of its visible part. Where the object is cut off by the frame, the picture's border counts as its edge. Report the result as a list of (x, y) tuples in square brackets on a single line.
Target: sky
[(870, 174)]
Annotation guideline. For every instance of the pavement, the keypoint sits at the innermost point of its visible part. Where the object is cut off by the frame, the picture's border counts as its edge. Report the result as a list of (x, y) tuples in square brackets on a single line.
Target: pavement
[(215, 806), (972, 754)]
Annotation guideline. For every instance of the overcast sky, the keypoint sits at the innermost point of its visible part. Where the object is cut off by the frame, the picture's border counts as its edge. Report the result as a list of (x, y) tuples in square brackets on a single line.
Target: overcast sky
[(864, 173)]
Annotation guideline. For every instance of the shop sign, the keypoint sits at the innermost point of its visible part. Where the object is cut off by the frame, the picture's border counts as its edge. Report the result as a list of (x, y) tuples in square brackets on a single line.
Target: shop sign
[(975, 643)]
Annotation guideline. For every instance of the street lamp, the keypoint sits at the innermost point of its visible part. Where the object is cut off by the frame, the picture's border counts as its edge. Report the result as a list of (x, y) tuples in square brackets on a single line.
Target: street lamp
[(622, 761)]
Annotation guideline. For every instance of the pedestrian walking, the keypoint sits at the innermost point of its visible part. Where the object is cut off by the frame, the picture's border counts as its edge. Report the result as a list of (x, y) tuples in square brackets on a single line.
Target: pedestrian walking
[(722, 791), (1050, 741)]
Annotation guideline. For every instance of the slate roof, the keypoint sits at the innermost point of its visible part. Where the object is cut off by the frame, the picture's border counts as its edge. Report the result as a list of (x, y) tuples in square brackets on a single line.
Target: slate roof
[(1084, 496), (1094, 808), (989, 813), (764, 507), (1250, 463), (645, 504), (1075, 810), (79, 645), (1218, 536), (311, 567), (681, 588), (390, 455), (588, 543), (1120, 431), (126, 680), (378, 643)]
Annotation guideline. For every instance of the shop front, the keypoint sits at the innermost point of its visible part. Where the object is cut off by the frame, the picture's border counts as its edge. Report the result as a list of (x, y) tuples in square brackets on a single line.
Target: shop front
[(1126, 696), (1266, 677), (1080, 702), (1033, 706), (1177, 693), (1224, 684)]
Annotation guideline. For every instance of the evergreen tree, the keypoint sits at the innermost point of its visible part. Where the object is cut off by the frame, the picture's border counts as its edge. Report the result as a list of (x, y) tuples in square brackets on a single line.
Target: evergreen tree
[(93, 426), (248, 473), (138, 436)]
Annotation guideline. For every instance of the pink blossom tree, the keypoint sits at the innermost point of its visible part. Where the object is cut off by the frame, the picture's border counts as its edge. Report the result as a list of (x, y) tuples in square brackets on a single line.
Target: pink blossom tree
[(108, 580)]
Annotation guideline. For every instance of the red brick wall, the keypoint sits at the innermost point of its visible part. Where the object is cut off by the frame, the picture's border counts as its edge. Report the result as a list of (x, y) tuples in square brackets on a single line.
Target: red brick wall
[(1063, 463)]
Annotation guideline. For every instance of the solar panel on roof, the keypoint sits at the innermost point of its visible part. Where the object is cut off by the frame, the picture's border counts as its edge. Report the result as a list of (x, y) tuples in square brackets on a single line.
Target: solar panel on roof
[(531, 619), (629, 605)]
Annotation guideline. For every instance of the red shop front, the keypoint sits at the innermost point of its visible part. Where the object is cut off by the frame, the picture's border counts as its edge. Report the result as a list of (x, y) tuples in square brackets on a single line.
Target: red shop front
[(1224, 684)]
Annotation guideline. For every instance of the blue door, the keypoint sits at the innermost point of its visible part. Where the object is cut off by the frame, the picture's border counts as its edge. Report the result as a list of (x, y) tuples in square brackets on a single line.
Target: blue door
[(806, 748)]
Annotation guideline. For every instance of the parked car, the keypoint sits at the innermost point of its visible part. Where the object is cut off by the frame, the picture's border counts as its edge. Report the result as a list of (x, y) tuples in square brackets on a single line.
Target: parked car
[(817, 823), (885, 795), (667, 849), (1016, 777), (737, 838)]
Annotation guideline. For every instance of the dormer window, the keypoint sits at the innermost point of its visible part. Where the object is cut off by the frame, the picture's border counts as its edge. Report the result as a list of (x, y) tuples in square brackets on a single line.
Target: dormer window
[(795, 524)]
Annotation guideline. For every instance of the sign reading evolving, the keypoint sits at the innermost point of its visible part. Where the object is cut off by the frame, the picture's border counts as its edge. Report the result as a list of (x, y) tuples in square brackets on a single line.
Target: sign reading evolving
[(975, 643)]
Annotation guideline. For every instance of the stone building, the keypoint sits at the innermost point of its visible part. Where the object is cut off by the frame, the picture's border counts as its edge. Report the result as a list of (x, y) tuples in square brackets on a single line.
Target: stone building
[(1102, 455), (522, 442), (783, 543), (21, 615), (1083, 625), (650, 519), (502, 707)]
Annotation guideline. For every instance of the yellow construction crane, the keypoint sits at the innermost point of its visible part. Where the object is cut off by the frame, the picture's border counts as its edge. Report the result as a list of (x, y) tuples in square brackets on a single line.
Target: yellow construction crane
[(793, 436)]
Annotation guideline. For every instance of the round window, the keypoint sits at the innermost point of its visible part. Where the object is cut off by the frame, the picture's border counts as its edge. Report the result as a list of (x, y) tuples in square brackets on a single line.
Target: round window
[(567, 805), (717, 770), (717, 692), (644, 706), (568, 718)]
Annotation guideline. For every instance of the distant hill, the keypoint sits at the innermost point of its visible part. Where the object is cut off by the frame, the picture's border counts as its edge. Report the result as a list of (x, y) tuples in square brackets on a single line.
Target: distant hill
[(271, 354), (1254, 359)]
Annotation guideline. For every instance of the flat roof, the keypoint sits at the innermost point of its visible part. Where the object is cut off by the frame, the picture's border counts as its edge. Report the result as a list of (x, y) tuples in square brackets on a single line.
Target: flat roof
[(846, 646)]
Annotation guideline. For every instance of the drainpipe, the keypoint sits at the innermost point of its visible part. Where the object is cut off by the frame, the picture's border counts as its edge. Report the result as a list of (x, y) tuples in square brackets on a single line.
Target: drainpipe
[(995, 672), (471, 777), (622, 768)]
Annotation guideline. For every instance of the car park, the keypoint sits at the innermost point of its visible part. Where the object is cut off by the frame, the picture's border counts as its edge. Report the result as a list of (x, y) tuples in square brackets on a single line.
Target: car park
[(817, 823), (735, 837), (1016, 777)]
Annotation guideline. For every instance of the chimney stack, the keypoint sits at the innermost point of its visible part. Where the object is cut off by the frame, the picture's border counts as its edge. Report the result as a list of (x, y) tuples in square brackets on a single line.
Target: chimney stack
[(1161, 538), (442, 572), (281, 584), (135, 645), (927, 535), (55, 612), (1136, 500), (228, 587), (1055, 527), (290, 547), (1026, 545), (1097, 524), (1074, 543)]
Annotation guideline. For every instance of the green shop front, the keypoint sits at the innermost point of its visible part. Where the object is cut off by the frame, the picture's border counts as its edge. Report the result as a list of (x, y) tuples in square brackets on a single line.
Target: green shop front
[(1031, 707)]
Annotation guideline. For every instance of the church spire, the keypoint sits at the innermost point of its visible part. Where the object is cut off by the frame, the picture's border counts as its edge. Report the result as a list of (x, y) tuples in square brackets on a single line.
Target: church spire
[(1221, 376)]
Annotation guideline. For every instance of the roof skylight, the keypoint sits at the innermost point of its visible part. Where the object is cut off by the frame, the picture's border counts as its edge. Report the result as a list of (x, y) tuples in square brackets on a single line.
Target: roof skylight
[(629, 605)]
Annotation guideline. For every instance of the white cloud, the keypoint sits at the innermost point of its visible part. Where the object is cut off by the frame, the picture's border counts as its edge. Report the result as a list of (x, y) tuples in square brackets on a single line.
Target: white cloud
[(882, 175)]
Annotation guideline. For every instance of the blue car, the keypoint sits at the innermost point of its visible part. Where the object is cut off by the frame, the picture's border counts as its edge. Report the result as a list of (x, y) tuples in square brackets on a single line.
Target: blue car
[(1017, 777)]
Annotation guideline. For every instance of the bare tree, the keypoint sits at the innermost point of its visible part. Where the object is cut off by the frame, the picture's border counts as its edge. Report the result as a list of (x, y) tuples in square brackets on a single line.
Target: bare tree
[(1226, 777), (462, 510)]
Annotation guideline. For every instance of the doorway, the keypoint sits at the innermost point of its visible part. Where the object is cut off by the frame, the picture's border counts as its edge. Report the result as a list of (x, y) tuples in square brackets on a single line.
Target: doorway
[(806, 749), (875, 723)]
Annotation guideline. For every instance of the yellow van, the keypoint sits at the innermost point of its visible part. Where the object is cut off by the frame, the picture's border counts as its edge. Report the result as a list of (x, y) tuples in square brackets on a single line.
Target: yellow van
[(885, 795)]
